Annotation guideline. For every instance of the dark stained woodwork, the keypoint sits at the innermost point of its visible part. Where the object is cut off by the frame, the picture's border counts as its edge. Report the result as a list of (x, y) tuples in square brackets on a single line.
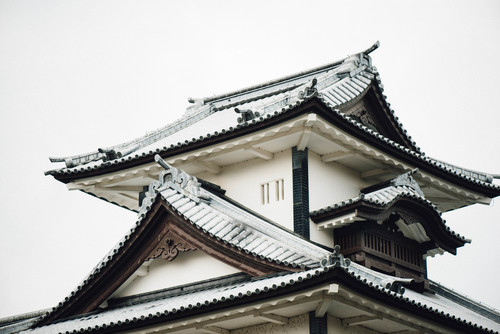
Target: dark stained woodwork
[(376, 247), (415, 209)]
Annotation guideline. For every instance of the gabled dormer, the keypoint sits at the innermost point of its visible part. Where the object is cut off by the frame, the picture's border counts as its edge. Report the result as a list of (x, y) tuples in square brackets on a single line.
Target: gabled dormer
[(390, 227)]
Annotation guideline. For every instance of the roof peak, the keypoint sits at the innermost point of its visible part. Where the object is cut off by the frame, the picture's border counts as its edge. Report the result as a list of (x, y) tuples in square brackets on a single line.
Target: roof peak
[(173, 178), (281, 80)]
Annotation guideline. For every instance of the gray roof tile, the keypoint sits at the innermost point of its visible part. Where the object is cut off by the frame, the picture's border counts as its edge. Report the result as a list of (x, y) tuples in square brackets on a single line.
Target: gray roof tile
[(450, 305), (218, 117)]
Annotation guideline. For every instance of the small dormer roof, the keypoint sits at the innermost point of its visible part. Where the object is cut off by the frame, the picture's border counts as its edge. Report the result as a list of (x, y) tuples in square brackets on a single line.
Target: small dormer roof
[(379, 201)]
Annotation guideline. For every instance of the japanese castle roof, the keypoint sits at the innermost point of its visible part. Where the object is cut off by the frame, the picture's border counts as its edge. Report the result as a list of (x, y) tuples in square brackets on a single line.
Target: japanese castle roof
[(332, 87), (274, 262)]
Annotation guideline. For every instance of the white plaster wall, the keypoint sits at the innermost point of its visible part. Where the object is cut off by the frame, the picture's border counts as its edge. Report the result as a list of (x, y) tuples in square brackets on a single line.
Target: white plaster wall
[(187, 267), (243, 181), (330, 183), (296, 325)]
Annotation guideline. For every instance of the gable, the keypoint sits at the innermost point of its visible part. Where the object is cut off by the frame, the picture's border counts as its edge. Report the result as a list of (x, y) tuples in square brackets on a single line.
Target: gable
[(162, 273), (373, 111), (179, 217)]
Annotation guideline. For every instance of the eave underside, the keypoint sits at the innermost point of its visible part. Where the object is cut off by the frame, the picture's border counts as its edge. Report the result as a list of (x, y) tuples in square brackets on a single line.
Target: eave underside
[(310, 130)]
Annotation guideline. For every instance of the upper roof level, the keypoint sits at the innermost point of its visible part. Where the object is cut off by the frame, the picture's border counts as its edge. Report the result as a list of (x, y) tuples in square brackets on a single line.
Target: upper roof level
[(345, 118), (341, 84)]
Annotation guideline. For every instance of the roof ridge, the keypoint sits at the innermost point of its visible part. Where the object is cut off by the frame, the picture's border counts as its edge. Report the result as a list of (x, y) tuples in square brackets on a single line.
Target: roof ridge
[(125, 148), (284, 78), (180, 289), (466, 172), (473, 305), (199, 110)]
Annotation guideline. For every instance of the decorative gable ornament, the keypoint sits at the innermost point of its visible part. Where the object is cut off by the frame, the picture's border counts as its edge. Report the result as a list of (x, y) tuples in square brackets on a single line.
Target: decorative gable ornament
[(169, 247), (406, 179), (309, 90), (335, 259), (246, 115), (175, 179)]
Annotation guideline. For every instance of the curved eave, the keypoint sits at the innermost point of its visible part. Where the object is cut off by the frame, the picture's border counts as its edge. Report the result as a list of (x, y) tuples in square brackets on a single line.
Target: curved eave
[(352, 287), (405, 304), (312, 104), (435, 227)]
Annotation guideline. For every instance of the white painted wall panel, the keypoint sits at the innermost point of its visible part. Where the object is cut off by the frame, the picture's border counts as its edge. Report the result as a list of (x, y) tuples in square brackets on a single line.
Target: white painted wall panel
[(187, 267), (330, 183), (243, 181)]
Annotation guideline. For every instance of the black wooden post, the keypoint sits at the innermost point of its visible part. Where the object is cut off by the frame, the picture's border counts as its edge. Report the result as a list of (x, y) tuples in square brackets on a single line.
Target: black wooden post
[(300, 192), (317, 325)]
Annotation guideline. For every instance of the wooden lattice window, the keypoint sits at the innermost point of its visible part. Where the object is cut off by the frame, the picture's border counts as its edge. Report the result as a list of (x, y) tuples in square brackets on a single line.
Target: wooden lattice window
[(375, 246)]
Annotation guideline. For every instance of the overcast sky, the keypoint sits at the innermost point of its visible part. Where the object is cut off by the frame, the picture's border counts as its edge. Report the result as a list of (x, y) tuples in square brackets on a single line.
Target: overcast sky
[(78, 75)]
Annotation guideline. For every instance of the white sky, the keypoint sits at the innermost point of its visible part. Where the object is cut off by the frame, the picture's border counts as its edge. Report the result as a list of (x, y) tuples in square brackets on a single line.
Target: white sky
[(78, 75)]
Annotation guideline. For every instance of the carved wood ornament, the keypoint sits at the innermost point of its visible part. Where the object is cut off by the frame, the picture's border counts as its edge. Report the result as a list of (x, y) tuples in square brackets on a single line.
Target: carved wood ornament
[(364, 117), (169, 247)]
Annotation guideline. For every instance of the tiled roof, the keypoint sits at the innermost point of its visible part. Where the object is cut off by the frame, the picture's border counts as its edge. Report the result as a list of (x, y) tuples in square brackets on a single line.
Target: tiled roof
[(456, 308), (221, 220), (334, 85), (218, 113), (178, 303), (245, 231), (224, 221), (469, 175)]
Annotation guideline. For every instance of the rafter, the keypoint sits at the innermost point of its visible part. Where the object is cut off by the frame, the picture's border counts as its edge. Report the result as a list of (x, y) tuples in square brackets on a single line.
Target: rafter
[(374, 173), (208, 166), (214, 330), (336, 156), (383, 314), (304, 139), (274, 318), (120, 189), (325, 302), (353, 321), (260, 153), (322, 307)]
